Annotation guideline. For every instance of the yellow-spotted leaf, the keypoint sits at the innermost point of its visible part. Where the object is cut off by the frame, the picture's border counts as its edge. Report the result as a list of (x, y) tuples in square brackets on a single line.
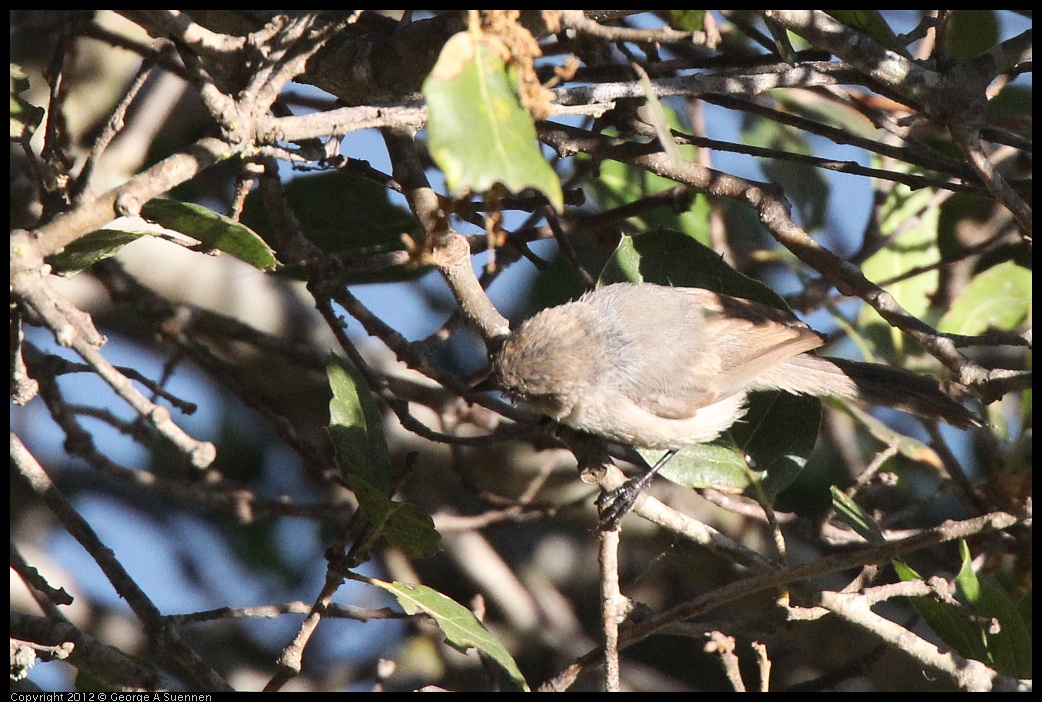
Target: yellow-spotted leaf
[(479, 134)]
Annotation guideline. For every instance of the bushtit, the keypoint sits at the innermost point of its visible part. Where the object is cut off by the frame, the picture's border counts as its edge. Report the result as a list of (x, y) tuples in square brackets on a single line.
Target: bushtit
[(663, 368)]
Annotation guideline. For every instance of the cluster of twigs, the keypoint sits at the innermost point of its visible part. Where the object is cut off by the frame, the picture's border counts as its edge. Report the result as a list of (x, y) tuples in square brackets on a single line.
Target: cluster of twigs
[(240, 65)]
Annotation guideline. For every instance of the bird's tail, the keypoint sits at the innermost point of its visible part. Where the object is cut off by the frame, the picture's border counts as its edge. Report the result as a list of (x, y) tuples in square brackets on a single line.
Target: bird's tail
[(873, 383)]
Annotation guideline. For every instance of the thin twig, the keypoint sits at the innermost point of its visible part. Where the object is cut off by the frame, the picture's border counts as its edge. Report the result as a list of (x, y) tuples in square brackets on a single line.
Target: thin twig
[(163, 637)]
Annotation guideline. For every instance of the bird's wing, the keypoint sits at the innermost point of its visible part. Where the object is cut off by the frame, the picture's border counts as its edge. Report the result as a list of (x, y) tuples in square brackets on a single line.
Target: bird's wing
[(716, 348)]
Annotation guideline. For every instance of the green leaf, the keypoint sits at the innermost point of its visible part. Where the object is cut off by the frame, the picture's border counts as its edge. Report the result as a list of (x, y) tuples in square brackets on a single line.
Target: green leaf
[(782, 42), (907, 446), (356, 426), (214, 230), (998, 298), (872, 24), (997, 634), (345, 214), (671, 258), (461, 628), (966, 580), (88, 250), (686, 20), (411, 531), (405, 526), (912, 246), (718, 466), (859, 520), (1008, 646), (356, 431), (823, 109), (778, 434), (656, 113), (912, 220), (619, 184), (167, 218), (970, 33), (947, 621), (803, 184), (479, 134), (1013, 101), (761, 455)]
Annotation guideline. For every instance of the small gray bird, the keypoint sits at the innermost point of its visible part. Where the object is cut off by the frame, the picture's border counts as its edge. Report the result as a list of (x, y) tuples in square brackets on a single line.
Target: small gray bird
[(662, 368)]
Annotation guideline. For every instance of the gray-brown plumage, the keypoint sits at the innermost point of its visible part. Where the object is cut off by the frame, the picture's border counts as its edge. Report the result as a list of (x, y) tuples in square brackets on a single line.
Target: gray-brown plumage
[(661, 367)]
